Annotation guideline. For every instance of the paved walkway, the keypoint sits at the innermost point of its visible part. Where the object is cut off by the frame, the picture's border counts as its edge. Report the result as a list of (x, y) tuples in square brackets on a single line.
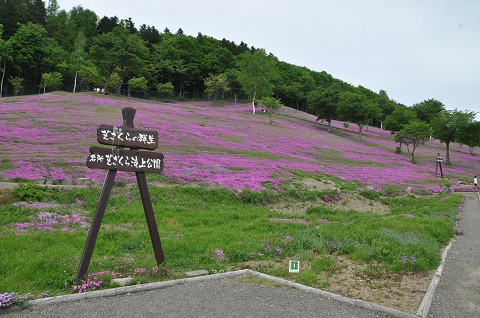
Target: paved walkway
[(458, 293), (216, 298)]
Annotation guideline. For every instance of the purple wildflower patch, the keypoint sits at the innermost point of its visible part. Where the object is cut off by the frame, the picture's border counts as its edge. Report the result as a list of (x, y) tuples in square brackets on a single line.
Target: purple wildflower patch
[(212, 145)]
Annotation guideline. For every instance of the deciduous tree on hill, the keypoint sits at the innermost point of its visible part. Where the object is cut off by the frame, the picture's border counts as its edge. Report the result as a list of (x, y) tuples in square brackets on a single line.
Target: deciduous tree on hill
[(137, 84), (412, 135), (323, 104), (166, 89), (78, 56), (118, 50), (357, 109), (399, 117), (256, 73), (385, 105), (216, 86), (470, 136), (52, 80), (428, 109), (35, 52), (447, 126), (271, 106)]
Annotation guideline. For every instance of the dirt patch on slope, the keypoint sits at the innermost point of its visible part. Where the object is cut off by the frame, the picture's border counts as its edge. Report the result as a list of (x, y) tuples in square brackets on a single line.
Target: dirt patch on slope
[(349, 201), (403, 292)]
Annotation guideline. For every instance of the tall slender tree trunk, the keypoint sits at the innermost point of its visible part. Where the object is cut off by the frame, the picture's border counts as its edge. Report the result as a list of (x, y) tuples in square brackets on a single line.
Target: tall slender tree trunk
[(448, 153), (360, 128), (120, 80), (253, 102), (107, 80), (329, 125), (75, 83), (3, 76)]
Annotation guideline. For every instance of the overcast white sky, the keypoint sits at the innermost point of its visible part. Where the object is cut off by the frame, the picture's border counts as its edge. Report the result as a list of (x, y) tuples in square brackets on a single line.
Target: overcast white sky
[(413, 49)]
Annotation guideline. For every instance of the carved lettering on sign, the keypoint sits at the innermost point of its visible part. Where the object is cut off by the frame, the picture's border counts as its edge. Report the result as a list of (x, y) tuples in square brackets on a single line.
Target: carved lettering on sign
[(125, 160), (127, 137)]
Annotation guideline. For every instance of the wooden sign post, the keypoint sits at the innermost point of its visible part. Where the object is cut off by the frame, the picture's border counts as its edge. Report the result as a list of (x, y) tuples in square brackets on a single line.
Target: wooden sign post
[(118, 158), (438, 160)]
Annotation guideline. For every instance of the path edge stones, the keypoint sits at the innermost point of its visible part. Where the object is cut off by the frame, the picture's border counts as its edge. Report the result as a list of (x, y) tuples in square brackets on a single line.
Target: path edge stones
[(427, 300), (167, 284)]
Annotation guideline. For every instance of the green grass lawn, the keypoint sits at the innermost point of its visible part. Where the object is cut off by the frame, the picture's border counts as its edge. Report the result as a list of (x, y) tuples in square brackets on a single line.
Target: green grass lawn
[(213, 229)]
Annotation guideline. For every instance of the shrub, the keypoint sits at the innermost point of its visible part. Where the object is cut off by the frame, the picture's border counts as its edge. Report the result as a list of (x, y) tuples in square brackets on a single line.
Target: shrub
[(264, 197), (165, 90), (31, 192), (370, 194)]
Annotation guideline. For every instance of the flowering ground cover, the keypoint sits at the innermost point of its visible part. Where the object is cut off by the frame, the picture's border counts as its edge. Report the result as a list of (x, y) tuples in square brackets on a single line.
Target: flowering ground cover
[(48, 136), (213, 229)]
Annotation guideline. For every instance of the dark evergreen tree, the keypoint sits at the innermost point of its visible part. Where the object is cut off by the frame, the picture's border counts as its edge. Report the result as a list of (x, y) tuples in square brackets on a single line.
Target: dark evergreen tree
[(150, 35), (107, 24), (130, 26), (12, 12), (38, 12)]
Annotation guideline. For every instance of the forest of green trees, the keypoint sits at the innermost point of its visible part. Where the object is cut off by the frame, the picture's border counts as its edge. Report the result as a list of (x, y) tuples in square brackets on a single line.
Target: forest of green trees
[(43, 48)]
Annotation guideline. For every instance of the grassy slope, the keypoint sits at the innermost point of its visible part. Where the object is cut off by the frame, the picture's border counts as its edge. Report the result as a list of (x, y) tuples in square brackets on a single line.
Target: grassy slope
[(49, 135)]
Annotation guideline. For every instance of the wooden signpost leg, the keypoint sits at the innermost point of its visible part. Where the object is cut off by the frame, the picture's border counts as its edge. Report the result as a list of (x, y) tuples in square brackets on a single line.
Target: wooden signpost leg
[(152, 224), (95, 226)]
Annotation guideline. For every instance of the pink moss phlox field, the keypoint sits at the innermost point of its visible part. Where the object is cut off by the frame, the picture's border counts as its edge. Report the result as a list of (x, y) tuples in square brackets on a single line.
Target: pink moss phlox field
[(48, 136)]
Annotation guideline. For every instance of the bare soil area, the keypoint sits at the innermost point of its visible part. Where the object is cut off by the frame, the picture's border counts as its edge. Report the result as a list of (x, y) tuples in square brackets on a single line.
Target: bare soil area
[(368, 282), (349, 201), (403, 292)]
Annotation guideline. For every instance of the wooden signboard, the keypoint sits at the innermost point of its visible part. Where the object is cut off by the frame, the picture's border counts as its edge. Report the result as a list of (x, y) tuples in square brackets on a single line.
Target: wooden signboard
[(127, 137), (118, 158), (125, 160)]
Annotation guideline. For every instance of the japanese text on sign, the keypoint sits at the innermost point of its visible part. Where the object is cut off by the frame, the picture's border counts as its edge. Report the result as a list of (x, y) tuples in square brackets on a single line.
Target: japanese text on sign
[(133, 161), (125, 160), (127, 137)]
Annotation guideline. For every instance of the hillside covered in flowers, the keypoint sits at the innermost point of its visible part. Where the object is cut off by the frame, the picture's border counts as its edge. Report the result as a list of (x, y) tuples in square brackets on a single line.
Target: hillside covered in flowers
[(48, 136)]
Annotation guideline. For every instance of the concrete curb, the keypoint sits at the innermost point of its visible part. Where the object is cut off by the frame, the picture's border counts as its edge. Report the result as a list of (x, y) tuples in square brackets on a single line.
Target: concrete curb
[(428, 298), (343, 299), (131, 289), (161, 285)]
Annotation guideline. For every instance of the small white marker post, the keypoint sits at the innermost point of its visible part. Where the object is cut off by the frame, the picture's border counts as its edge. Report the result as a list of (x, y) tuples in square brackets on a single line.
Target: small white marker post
[(294, 266)]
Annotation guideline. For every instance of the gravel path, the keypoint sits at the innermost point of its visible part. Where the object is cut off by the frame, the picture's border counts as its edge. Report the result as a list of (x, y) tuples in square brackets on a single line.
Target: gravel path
[(217, 298), (458, 293)]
